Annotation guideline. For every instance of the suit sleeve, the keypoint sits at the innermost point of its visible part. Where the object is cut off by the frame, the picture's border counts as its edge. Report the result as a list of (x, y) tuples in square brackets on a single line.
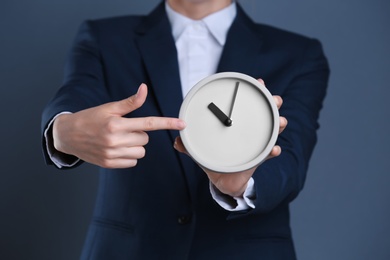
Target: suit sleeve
[(83, 85), (279, 180)]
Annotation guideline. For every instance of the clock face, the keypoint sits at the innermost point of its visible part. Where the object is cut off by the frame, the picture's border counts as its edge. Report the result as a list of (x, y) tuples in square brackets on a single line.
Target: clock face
[(232, 122)]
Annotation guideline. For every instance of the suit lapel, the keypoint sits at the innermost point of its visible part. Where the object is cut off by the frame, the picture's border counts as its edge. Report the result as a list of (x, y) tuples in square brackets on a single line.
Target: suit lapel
[(158, 51), (159, 54), (242, 46)]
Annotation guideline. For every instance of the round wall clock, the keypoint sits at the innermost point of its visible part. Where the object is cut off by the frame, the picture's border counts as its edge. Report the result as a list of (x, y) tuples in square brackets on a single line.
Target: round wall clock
[(232, 122)]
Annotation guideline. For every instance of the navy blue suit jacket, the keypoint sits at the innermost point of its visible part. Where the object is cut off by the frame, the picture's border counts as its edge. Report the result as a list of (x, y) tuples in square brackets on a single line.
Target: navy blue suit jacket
[(162, 208)]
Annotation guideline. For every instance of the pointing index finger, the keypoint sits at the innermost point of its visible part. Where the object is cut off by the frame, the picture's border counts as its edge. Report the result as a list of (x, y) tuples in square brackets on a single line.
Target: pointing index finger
[(155, 123)]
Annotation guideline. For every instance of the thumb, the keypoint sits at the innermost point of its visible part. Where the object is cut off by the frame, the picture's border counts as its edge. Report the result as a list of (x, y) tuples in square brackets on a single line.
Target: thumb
[(179, 146), (131, 103)]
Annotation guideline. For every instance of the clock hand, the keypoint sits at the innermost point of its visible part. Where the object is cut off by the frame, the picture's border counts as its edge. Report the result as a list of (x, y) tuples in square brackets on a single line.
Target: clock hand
[(234, 99), (219, 114)]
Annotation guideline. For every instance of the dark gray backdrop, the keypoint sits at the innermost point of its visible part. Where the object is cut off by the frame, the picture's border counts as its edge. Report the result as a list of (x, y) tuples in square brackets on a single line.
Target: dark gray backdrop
[(344, 210)]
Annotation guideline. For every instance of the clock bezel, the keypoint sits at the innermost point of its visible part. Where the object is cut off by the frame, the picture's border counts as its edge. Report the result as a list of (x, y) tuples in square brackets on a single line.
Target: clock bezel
[(274, 133)]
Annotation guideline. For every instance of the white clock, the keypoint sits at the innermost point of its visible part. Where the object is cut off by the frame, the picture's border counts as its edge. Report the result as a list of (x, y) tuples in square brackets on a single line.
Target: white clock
[(232, 122)]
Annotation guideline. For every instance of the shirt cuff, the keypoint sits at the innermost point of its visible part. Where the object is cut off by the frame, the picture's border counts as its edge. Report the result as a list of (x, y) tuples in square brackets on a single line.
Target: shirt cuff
[(59, 159), (247, 201)]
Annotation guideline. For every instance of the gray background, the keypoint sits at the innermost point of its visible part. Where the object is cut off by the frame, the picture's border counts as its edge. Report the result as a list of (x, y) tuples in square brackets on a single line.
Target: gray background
[(344, 210)]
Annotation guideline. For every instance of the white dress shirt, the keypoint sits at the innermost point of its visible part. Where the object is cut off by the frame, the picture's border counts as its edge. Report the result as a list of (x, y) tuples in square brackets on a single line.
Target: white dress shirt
[(199, 46), (199, 43)]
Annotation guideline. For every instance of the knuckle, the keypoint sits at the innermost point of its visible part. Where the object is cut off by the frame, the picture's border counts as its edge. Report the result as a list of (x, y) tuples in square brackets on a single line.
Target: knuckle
[(130, 101), (108, 154), (171, 123), (149, 123), (133, 102), (112, 125)]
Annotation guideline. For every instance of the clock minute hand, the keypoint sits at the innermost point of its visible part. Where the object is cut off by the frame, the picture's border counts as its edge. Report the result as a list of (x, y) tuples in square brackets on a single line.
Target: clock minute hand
[(219, 114), (234, 99)]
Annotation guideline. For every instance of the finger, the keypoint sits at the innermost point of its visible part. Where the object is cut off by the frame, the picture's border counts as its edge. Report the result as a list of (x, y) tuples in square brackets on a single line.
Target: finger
[(126, 139), (119, 163), (261, 81), (276, 151), (179, 146), (135, 152), (132, 103), (278, 101), (154, 123), (282, 124)]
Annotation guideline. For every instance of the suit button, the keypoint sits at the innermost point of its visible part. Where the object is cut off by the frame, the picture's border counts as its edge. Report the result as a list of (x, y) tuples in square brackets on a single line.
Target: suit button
[(184, 220)]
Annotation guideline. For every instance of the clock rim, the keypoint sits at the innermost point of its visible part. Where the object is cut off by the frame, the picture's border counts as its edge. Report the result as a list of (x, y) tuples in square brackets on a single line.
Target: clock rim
[(275, 115)]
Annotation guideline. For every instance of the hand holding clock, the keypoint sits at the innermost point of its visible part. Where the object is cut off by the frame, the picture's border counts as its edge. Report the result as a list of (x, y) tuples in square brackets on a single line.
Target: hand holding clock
[(234, 184)]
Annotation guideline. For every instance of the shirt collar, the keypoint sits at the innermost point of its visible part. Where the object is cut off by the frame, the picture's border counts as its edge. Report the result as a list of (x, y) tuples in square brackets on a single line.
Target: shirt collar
[(217, 23)]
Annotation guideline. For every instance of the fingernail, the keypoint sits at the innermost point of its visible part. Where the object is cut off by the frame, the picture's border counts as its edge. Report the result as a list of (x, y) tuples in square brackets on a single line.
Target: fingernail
[(181, 124), (136, 94), (139, 89)]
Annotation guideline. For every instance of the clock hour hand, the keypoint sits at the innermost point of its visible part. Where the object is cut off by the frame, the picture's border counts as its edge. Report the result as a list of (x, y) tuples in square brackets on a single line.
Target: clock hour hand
[(220, 115)]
